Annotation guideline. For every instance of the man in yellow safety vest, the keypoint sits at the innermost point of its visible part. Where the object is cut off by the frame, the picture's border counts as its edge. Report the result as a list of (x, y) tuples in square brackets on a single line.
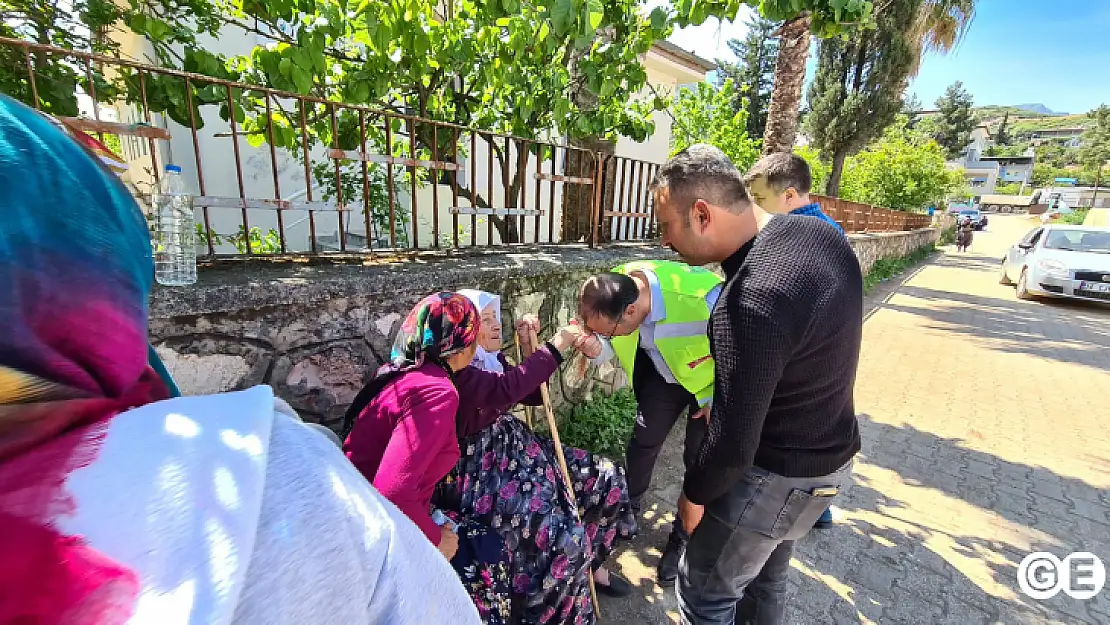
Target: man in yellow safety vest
[(652, 316)]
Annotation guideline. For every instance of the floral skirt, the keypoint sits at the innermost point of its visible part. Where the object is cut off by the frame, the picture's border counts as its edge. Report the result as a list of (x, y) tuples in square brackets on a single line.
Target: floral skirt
[(482, 564), (509, 479)]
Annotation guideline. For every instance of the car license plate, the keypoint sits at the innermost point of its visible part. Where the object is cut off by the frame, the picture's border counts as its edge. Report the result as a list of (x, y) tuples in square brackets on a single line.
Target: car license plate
[(1099, 287)]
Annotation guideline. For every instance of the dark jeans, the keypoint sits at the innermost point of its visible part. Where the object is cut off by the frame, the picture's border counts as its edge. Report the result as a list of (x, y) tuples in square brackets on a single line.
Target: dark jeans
[(742, 548), (659, 405)]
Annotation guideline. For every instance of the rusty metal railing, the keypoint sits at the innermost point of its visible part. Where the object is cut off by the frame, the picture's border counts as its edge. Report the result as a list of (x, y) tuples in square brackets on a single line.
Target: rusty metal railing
[(319, 176)]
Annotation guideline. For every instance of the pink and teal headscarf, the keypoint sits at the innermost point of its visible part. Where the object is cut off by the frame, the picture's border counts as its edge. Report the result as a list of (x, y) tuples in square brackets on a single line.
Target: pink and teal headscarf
[(440, 325), (75, 273)]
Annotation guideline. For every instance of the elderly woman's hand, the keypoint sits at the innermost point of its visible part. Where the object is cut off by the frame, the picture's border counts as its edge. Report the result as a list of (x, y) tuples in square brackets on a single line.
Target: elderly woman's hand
[(526, 327)]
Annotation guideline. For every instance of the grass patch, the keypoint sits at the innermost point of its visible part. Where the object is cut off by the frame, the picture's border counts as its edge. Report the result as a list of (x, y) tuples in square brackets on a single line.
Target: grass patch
[(1075, 218), (948, 236), (887, 268), (602, 425)]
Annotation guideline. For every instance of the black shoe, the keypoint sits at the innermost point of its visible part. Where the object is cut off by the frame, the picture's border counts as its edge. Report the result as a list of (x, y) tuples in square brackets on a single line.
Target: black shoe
[(617, 587), (668, 564)]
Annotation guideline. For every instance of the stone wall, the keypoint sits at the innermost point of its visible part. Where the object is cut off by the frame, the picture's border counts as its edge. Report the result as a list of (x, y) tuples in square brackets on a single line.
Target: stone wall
[(871, 247), (316, 331)]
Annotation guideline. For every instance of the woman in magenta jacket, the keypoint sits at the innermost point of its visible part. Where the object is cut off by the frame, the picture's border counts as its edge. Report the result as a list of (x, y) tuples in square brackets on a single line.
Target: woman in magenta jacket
[(509, 479), (400, 433)]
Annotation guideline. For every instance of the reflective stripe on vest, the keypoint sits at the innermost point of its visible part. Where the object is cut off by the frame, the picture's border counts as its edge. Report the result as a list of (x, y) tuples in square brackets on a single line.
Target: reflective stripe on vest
[(681, 336)]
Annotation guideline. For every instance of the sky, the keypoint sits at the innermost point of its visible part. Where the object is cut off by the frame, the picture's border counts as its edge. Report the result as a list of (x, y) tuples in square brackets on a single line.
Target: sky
[(1054, 52)]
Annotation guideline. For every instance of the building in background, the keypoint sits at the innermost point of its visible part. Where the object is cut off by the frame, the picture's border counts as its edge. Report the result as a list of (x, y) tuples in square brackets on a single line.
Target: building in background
[(984, 173)]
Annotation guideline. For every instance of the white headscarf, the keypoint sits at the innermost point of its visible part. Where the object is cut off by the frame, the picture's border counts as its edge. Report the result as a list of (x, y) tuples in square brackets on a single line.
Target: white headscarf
[(485, 360)]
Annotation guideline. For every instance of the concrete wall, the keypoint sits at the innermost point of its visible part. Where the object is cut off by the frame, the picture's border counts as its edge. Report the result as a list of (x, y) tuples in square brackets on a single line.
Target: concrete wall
[(315, 332), (871, 247)]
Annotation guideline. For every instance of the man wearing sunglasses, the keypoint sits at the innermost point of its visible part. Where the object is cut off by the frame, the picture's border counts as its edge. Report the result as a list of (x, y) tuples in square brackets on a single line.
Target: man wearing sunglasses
[(652, 316)]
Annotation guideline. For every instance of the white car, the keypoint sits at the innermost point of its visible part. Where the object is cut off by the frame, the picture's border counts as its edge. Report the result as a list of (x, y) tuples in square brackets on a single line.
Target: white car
[(1061, 261)]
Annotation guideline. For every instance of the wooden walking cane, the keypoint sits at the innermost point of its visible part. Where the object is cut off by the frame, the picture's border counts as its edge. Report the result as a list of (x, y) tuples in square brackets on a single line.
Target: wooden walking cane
[(527, 409), (550, 413)]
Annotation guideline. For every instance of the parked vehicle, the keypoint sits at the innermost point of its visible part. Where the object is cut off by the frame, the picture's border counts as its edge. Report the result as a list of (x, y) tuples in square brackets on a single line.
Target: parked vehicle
[(1061, 261), (1008, 203), (978, 219)]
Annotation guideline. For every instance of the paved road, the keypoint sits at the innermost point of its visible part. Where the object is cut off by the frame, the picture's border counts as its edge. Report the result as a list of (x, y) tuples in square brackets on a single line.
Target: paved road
[(985, 437)]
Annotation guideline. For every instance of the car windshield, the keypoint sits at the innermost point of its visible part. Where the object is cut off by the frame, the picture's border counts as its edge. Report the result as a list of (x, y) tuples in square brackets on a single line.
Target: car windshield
[(1094, 241), (969, 213)]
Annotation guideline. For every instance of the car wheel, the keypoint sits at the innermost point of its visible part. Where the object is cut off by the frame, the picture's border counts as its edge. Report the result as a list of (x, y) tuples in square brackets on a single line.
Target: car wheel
[(1022, 290), (1005, 279)]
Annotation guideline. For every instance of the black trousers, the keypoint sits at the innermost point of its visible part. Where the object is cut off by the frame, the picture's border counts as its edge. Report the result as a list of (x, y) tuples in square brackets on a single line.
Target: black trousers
[(659, 406)]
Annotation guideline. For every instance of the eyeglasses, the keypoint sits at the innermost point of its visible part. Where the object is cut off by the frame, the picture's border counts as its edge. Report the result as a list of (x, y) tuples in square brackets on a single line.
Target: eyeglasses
[(612, 332)]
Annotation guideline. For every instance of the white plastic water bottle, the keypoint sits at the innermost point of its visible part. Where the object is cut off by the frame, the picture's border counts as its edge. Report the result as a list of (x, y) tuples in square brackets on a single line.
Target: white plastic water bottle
[(175, 251)]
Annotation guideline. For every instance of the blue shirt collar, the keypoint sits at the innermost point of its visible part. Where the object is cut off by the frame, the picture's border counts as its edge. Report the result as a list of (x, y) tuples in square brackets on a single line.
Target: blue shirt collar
[(809, 209)]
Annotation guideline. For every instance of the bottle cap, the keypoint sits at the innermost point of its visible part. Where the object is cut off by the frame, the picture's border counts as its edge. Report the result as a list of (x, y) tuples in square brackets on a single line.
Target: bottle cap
[(176, 169)]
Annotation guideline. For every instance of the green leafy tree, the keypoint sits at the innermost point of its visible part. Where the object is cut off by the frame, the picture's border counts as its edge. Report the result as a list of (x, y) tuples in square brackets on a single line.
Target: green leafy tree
[(1055, 153), (903, 170), (752, 72), (705, 115), (818, 169), (510, 67), (1002, 134), (76, 25), (825, 16), (955, 122), (858, 87), (911, 108), (1094, 151)]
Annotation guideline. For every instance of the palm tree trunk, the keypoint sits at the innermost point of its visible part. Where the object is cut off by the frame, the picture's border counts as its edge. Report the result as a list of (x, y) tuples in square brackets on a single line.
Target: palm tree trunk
[(786, 94)]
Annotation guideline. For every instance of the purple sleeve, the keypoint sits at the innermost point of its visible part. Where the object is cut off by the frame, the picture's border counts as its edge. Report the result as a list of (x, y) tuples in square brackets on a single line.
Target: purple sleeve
[(415, 441), (484, 395)]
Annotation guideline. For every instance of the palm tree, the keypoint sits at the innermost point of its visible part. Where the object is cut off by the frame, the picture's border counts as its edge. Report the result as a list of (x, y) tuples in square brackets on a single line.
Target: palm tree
[(940, 26), (786, 94)]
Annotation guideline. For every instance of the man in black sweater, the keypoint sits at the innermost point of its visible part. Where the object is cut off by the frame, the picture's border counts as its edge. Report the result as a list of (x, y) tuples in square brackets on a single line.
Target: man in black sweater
[(785, 338)]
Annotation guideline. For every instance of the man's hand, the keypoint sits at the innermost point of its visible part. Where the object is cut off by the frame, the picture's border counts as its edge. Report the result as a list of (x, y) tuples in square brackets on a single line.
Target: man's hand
[(690, 514), (703, 412), (448, 540)]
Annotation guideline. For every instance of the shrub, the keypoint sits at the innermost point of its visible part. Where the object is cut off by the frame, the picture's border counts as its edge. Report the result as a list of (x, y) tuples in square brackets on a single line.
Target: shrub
[(947, 236), (602, 425), (886, 268), (1076, 217)]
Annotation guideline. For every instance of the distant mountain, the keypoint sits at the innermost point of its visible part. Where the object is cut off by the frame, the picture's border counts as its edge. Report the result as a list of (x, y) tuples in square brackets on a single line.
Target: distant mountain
[(1038, 108)]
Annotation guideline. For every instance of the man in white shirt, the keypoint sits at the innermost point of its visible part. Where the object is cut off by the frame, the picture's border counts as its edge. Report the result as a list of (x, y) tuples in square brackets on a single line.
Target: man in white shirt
[(652, 316)]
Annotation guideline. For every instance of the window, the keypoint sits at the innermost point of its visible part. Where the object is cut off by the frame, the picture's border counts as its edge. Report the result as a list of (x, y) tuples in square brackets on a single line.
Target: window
[(1079, 241)]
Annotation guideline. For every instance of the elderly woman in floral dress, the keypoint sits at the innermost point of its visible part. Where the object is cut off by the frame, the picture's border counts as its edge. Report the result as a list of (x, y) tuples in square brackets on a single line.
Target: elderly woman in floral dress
[(509, 478)]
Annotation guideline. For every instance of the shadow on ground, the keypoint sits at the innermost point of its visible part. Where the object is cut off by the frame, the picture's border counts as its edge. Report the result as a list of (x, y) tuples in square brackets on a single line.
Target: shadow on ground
[(886, 562), (932, 530)]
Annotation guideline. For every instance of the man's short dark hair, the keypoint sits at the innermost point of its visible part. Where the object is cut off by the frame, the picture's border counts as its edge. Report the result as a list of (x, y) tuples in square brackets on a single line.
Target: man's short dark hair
[(782, 170), (608, 294), (703, 172)]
